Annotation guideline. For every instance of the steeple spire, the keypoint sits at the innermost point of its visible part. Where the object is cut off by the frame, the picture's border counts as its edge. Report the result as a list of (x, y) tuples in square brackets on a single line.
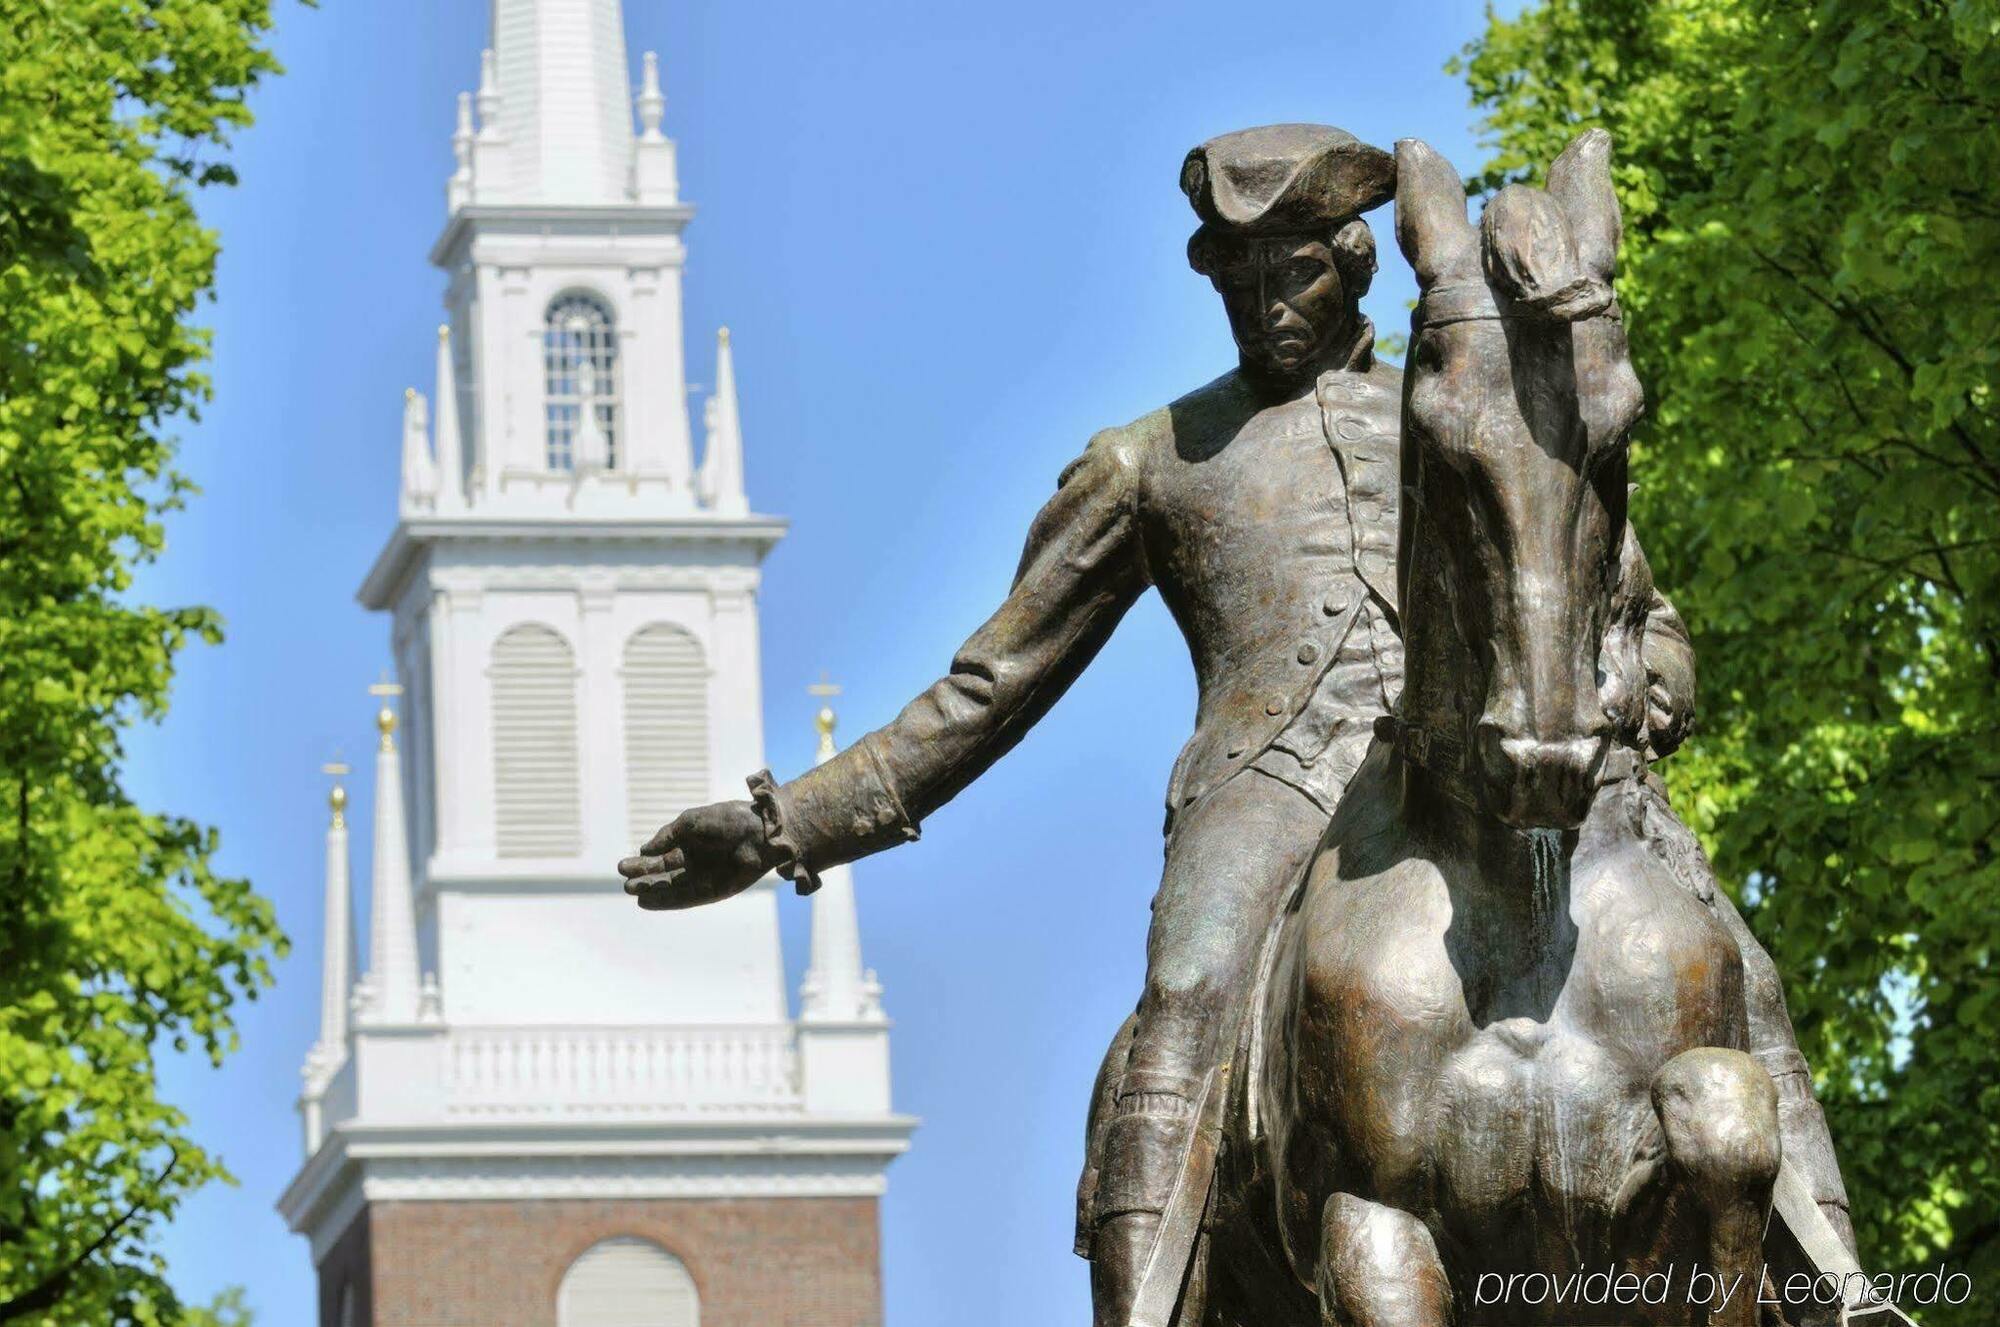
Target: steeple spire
[(419, 473), (563, 102), (450, 453), (337, 961), (393, 988), (837, 989), (721, 478)]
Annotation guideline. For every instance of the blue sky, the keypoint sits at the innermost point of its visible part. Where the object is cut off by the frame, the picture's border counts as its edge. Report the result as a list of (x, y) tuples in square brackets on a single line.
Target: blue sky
[(949, 244)]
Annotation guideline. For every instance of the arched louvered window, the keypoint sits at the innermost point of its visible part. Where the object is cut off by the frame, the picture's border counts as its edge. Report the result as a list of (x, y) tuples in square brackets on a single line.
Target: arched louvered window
[(666, 727), (534, 744), (580, 368), (627, 1283)]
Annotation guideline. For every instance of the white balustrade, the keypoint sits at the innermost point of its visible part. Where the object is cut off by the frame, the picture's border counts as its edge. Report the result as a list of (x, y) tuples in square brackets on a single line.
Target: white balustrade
[(598, 1072)]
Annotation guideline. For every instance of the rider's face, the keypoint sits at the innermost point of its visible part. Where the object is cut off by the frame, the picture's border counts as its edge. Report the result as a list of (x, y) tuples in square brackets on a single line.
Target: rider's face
[(1285, 303)]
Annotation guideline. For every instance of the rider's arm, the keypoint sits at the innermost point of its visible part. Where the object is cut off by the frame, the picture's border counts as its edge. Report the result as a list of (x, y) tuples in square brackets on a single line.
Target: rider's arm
[(1082, 569)]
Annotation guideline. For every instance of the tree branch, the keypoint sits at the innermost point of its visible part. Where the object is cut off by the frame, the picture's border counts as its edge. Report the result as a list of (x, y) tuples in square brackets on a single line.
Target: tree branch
[(51, 1287)]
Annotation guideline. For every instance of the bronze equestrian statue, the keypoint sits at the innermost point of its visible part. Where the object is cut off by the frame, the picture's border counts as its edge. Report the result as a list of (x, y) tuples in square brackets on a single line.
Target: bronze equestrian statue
[(1264, 507), (1500, 1028)]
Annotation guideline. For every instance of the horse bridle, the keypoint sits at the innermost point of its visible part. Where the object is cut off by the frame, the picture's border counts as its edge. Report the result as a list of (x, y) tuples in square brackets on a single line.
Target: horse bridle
[(1469, 301)]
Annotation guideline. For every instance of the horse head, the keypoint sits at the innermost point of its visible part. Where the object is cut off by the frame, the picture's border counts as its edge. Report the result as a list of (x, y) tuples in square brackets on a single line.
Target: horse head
[(1519, 397)]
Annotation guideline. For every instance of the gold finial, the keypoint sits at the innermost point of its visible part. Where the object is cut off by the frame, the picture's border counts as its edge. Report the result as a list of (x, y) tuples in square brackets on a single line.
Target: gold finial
[(444, 331), (409, 393), (826, 718), (386, 719), (337, 799), (722, 335)]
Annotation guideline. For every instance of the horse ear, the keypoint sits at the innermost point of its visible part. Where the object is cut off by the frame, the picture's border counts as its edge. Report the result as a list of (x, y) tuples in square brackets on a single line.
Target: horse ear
[(1580, 179), (1431, 228)]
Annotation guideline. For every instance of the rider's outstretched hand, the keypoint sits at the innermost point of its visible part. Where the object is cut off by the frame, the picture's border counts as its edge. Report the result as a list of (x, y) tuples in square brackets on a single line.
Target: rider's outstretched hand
[(708, 853)]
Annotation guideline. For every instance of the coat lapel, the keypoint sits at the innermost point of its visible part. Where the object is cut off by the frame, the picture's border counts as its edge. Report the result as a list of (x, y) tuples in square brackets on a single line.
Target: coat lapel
[(1361, 421)]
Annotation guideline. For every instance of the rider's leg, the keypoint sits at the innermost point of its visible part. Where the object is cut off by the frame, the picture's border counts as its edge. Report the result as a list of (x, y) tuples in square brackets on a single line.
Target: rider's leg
[(1229, 861), (1718, 1113), (1379, 1267)]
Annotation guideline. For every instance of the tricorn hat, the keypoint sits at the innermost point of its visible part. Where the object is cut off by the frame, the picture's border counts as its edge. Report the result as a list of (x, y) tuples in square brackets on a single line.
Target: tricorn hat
[(1286, 179)]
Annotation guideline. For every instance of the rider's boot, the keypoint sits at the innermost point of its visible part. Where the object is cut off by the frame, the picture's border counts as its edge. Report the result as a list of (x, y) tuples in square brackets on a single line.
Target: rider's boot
[(1144, 1149)]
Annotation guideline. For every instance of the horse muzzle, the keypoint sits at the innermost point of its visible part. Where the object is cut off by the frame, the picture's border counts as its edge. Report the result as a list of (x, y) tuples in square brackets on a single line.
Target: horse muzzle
[(1535, 783)]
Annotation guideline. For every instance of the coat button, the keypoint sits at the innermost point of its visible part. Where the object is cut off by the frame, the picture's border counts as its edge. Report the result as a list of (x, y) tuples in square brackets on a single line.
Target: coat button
[(1335, 605), (1308, 652), (1274, 707)]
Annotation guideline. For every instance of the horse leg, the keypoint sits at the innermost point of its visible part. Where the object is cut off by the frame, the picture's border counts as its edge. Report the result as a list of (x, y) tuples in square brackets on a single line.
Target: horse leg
[(1379, 1267), (1718, 1112)]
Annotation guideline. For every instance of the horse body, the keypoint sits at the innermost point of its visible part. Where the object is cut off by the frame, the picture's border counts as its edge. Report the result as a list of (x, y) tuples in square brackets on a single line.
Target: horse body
[(1453, 1038)]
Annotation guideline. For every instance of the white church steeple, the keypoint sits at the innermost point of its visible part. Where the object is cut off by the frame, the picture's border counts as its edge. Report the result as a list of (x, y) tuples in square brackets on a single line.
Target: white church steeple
[(572, 612)]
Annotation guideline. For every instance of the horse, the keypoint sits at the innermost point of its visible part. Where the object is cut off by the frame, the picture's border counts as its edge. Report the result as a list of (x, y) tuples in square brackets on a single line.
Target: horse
[(1499, 1043)]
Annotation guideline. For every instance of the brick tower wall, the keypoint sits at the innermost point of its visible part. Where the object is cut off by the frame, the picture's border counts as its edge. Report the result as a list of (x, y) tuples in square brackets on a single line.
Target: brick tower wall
[(760, 1262)]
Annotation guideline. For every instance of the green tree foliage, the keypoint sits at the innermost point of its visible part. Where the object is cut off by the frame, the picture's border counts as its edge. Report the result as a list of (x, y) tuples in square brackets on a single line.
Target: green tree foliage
[(116, 938), (1812, 254)]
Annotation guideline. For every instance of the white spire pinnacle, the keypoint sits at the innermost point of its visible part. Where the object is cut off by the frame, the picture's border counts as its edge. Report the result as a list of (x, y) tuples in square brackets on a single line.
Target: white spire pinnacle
[(721, 478), (563, 100), (393, 987), (450, 452), (652, 101), (459, 192), (837, 989), (419, 473), (337, 961), (489, 96), (655, 169)]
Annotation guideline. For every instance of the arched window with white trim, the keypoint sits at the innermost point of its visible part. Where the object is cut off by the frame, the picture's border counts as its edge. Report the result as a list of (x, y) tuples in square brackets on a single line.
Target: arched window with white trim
[(535, 801), (666, 727), (627, 1282), (580, 368)]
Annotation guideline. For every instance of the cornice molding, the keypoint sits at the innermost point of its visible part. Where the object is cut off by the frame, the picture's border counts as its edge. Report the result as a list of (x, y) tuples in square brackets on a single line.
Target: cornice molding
[(802, 1158), (755, 535), (531, 220)]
